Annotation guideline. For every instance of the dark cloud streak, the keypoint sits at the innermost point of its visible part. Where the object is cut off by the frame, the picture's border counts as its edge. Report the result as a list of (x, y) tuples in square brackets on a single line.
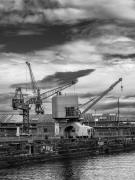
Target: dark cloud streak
[(121, 56), (49, 36), (114, 105), (57, 79), (97, 94)]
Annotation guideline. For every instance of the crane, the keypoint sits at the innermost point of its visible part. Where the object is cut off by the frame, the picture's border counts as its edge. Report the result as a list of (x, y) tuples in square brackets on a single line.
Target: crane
[(102, 95), (39, 97), (19, 103)]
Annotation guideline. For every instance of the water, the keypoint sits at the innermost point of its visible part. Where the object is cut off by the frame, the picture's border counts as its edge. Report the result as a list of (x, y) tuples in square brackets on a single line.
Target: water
[(111, 167)]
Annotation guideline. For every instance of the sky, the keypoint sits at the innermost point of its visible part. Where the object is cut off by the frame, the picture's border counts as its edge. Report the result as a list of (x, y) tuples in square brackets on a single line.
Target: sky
[(91, 41)]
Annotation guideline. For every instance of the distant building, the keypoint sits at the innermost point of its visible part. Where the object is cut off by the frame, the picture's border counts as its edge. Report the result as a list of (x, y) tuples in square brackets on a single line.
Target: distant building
[(46, 126)]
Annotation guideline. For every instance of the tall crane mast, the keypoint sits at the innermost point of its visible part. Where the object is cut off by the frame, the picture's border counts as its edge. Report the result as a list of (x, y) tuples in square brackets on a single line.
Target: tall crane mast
[(36, 91), (102, 95), (33, 82)]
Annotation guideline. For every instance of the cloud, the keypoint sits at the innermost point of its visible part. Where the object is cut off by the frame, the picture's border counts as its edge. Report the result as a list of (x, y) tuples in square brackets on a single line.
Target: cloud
[(87, 95), (103, 40), (124, 104), (5, 97), (104, 9), (15, 40), (118, 47), (77, 52), (130, 96), (96, 95), (6, 101), (56, 79), (64, 11), (121, 56), (112, 43)]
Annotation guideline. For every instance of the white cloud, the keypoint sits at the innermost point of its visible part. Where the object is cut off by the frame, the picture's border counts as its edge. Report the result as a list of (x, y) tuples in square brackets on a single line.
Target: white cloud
[(65, 11), (118, 47), (65, 15), (72, 53), (123, 9)]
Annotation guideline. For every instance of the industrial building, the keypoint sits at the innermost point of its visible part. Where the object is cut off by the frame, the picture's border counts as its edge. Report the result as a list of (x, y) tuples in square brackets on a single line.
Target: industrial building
[(46, 126)]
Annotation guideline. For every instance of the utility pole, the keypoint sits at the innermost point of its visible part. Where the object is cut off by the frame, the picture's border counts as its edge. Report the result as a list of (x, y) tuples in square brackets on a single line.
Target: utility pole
[(118, 110), (118, 115)]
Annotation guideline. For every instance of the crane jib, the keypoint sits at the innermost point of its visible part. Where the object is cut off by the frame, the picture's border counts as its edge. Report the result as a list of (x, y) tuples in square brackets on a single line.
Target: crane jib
[(102, 95)]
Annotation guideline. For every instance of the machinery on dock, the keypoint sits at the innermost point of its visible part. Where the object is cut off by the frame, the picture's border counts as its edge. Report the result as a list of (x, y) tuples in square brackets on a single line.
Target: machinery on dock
[(64, 108), (66, 112), (67, 107), (71, 137), (19, 102)]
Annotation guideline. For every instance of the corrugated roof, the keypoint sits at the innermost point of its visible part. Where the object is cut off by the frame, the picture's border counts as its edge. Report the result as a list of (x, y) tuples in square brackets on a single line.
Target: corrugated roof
[(10, 118), (41, 118), (16, 118), (46, 118)]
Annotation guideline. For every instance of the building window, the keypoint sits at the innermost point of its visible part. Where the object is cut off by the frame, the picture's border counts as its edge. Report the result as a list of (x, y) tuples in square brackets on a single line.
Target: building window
[(70, 111), (45, 130)]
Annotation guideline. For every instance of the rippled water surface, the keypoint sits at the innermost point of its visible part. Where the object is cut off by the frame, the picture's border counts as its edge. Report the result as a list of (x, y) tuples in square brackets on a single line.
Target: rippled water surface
[(112, 167)]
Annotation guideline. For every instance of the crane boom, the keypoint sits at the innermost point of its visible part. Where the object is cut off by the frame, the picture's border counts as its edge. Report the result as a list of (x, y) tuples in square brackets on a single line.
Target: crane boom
[(102, 95), (80, 106), (33, 82), (50, 93)]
